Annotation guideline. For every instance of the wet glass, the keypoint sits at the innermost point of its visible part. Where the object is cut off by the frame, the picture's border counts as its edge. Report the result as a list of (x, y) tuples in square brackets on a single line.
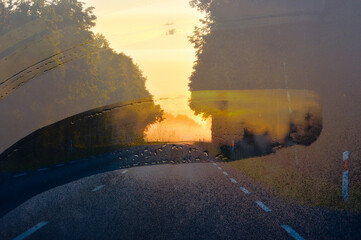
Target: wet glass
[(254, 109)]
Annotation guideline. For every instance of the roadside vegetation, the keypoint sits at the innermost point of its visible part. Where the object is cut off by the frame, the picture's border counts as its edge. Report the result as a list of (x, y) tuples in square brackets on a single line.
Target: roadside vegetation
[(299, 187), (246, 46), (85, 74), (289, 180)]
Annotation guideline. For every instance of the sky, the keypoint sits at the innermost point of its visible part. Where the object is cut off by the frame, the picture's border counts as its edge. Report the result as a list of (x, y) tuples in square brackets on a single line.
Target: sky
[(155, 34)]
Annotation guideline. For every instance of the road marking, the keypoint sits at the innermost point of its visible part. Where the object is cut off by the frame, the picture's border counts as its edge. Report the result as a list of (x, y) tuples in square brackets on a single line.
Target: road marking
[(124, 172), (292, 232), (60, 165), (97, 188), (219, 168), (225, 173), (42, 169), (30, 231), (215, 164), (264, 207), (233, 180), (21, 174), (245, 190)]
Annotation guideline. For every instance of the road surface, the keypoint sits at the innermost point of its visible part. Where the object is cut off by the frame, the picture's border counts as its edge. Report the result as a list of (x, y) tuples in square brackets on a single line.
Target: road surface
[(157, 192)]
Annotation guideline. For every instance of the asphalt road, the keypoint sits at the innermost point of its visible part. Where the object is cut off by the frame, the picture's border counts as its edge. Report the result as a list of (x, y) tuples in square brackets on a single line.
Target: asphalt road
[(157, 192)]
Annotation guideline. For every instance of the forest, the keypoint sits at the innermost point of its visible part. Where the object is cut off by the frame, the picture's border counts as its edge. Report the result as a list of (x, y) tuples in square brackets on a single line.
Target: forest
[(53, 66)]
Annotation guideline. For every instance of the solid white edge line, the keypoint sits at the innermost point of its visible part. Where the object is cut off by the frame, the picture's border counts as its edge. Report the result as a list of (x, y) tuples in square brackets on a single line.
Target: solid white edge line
[(30, 231)]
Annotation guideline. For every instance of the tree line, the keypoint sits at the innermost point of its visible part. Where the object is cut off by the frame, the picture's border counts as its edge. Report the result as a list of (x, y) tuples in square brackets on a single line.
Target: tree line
[(96, 77)]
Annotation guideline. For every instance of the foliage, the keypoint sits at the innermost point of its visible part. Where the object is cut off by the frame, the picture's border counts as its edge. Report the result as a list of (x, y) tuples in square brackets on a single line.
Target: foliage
[(94, 77), (262, 44)]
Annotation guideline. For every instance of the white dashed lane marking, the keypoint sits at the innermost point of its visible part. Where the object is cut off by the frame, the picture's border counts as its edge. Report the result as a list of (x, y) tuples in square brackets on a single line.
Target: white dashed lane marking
[(124, 172), (287, 228), (264, 207), (42, 169), (31, 231), (97, 188), (19, 175), (292, 232), (244, 190), (233, 180)]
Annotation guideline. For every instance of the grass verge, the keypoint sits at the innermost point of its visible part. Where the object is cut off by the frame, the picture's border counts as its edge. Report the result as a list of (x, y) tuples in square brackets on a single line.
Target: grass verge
[(298, 187), (293, 185)]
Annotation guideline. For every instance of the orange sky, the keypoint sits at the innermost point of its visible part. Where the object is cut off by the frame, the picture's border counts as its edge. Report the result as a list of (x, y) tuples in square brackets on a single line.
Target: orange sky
[(155, 34)]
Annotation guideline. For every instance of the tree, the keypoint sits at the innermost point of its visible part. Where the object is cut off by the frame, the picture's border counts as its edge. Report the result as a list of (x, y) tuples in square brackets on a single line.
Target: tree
[(93, 76)]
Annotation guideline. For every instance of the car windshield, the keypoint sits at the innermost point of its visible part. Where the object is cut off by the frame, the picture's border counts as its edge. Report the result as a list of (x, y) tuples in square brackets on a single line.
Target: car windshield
[(180, 119)]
